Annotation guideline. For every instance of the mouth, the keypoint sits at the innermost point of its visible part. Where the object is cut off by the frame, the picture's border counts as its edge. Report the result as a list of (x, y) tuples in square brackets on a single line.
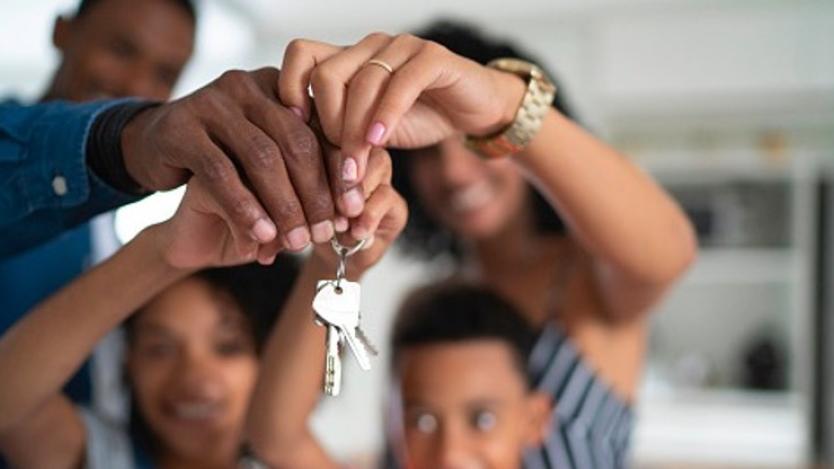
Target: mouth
[(471, 197), (195, 411)]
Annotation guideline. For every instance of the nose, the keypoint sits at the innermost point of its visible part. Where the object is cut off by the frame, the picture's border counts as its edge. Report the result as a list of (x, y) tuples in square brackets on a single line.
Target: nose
[(196, 377), (140, 81), (457, 163), (455, 451)]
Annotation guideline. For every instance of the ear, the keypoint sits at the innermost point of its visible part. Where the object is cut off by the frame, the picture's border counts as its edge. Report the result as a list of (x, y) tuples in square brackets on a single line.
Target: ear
[(61, 31), (539, 412)]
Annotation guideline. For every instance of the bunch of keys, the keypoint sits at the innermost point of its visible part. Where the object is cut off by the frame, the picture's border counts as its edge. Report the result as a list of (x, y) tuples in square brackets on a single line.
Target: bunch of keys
[(336, 305)]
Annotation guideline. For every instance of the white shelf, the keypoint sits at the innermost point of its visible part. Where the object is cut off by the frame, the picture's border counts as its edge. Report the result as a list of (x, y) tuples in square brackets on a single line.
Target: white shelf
[(721, 427), (742, 266)]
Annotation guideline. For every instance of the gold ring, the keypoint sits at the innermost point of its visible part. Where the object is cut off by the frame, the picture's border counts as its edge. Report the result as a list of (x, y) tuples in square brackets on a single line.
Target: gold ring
[(380, 63)]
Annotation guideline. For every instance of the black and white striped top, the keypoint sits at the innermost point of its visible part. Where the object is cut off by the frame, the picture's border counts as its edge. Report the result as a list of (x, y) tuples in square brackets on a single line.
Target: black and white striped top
[(591, 426)]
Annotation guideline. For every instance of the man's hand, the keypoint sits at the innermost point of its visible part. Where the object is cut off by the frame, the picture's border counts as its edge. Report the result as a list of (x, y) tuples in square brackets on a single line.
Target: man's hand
[(260, 163)]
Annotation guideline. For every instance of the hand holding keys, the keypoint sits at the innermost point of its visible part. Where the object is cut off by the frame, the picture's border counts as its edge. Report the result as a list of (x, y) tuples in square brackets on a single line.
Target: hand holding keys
[(336, 305)]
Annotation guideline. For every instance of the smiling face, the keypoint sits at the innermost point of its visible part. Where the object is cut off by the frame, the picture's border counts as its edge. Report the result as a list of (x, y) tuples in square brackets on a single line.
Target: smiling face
[(475, 199), (466, 405), (192, 366), (122, 48)]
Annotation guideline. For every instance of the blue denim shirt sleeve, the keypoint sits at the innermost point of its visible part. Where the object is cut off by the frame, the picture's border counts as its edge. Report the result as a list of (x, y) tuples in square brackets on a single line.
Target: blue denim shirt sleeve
[(45, 184)]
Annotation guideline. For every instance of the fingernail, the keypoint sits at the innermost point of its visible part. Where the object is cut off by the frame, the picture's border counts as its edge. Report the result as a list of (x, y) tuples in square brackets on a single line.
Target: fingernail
[(298, 238), (353, 202), (342, 224), (375, 133), (368, 243), (349, 170), (298, 112), (263, 231), (323, 231)]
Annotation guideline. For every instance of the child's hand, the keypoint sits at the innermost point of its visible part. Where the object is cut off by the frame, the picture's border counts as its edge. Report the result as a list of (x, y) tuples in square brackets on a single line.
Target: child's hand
[(197, 236), (380, 223)]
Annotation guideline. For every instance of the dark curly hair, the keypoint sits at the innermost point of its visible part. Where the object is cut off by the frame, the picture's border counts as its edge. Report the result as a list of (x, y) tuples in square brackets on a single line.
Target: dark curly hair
[(422, 236), (454, 311), (260, 292)]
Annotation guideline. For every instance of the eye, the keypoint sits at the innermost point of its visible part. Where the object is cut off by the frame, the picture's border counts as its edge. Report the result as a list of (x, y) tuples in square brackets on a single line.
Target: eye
[(425, 422), (159, 349), (231, 347), (483, 420)]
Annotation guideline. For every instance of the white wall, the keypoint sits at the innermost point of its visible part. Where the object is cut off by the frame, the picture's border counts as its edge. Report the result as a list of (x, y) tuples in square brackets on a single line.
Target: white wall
[(655, 75)]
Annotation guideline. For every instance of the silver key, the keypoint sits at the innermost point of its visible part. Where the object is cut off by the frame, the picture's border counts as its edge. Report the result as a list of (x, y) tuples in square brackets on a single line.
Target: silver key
[(333, 363), (369, 346), (337, 304)]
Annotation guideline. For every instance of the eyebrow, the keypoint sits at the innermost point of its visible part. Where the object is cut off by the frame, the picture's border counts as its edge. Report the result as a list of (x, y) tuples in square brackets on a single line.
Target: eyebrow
[(151, 328)]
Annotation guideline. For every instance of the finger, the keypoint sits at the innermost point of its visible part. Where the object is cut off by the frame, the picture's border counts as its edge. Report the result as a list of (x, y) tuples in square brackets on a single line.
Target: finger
[(379, 171), (349, 199), (301, 57), (364, 92), (245, 216), (263, 164), (384, 204), (302, 157), (267, 252), (426, 70), (329, 81)]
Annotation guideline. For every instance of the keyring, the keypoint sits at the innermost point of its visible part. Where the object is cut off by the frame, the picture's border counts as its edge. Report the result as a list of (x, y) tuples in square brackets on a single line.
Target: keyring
[(344, 251)]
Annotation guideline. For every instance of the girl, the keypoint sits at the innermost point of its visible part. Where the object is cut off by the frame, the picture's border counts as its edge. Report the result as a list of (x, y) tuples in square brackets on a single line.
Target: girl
[(192, 341)]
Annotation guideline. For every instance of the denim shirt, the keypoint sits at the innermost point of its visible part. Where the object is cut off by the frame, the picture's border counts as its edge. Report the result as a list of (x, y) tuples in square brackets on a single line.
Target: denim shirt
[(45, 184)]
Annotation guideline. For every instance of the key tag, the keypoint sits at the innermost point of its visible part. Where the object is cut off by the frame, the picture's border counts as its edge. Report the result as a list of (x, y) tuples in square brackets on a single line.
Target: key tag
[(336, 299)]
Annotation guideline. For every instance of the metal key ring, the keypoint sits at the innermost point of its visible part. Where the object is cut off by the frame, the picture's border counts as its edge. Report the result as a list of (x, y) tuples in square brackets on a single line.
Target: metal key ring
[(345, 251)]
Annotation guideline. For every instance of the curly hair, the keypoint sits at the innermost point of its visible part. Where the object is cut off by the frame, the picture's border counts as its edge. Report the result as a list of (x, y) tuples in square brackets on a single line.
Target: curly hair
[(423, 237)]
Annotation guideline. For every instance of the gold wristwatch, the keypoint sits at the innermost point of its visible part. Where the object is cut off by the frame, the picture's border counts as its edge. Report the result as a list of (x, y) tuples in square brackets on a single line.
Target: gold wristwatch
[(528, 118)]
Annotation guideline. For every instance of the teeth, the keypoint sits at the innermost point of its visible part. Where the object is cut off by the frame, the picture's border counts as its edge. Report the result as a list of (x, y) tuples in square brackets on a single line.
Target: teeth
[(195, 410), (472, 197)]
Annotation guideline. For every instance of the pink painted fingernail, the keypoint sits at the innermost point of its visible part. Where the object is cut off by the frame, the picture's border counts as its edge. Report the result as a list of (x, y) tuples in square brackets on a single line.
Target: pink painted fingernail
[(263, 231), (375, 133), (354, 202), (298, 238), (349, 170), (298, 112)]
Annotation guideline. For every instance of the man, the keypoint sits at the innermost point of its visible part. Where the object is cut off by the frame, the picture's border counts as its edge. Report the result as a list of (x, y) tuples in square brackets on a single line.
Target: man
[(62, 163), (108, 49)]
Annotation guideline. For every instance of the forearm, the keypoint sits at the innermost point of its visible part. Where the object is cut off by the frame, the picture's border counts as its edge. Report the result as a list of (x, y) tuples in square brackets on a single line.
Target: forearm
[(48, 344), (615, 210), (47, 185), (290, 380)]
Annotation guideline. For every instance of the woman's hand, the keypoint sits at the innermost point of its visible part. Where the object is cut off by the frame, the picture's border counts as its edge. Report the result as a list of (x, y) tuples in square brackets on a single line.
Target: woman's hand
[(431, 94)]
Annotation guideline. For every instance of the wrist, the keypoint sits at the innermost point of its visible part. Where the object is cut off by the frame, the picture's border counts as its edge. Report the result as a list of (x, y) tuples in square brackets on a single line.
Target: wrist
[(512, 89), (130, 140), (104, 153), (156, 238)]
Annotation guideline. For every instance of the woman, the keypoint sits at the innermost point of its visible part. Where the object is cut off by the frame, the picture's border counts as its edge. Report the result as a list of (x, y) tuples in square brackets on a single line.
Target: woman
[(625, 241), (193, 344)]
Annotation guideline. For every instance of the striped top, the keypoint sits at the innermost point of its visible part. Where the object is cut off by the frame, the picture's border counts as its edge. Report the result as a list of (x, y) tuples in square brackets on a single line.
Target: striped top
[(591, 426)]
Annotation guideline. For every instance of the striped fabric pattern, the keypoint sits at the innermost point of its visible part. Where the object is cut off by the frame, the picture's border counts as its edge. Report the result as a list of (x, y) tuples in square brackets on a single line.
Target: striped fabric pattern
[(591, 427)]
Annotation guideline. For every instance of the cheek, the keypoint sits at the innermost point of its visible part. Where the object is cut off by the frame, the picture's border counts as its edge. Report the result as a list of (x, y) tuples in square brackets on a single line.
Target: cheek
[(508, 182), (241, 375), (148, 379)]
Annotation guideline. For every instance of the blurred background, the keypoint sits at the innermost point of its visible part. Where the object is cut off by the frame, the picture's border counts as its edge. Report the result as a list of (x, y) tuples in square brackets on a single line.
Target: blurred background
[(729, 103)]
